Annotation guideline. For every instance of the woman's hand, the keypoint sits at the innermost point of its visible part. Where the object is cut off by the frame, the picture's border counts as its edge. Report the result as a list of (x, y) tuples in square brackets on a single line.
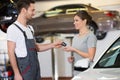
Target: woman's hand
[(69, 48), (71, 59)]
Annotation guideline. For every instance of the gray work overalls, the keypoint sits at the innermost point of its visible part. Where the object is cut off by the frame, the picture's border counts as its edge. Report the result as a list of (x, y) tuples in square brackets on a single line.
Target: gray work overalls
[(29, 65)]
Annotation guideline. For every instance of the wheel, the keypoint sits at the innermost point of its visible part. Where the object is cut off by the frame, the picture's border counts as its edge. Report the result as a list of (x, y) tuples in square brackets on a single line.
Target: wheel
[(101, 35), (93, 26), (39, 39)]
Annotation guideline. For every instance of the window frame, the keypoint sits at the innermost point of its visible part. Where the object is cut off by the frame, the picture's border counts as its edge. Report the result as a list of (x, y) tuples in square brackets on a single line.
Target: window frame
[(111, 47)]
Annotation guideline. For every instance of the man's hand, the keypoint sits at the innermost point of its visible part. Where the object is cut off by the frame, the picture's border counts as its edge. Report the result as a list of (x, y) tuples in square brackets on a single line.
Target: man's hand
[(57, 44), (18, 77)]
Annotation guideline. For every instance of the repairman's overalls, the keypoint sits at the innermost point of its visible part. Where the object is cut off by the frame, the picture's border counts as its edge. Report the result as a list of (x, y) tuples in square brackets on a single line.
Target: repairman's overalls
[(29, 65)]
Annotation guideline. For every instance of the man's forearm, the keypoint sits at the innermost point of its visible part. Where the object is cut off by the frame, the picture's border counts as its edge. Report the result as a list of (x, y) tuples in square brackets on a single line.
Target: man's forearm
[(13, 63), (44, 47)]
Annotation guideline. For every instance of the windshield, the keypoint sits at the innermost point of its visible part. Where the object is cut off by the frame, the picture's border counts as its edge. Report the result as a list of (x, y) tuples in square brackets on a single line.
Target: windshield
[(111, 59)]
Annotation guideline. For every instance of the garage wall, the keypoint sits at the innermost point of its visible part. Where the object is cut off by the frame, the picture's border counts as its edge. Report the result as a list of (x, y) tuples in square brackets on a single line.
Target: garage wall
[(44, 5), (111, 7), (60, 67)]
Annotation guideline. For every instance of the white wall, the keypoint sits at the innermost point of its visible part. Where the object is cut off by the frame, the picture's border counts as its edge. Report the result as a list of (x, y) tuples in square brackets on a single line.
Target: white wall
[(44, 5), (45, 60), (60, 64), (111, 7), (3, 47)]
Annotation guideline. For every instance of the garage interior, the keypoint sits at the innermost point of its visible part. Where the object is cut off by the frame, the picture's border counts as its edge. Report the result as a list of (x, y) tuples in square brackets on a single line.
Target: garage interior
[(53, 63)]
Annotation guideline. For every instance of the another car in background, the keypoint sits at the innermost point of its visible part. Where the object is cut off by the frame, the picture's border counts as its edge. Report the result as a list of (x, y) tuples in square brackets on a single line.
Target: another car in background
[(60, 19)]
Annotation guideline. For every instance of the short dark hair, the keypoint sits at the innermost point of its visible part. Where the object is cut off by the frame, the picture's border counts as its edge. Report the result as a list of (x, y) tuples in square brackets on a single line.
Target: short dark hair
[(84, 15), (24, 4)]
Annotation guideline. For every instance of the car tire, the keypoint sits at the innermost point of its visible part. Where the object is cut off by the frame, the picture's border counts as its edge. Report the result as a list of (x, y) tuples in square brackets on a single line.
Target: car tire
[(101, 35), (93, 26), (39, 39)]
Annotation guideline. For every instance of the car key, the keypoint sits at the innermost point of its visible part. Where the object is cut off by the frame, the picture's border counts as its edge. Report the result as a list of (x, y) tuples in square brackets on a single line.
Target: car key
[(64, 44)]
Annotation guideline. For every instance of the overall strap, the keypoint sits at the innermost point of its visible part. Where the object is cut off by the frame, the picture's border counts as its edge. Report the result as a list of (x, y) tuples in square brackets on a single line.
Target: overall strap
[(21, 30), (31, 30)]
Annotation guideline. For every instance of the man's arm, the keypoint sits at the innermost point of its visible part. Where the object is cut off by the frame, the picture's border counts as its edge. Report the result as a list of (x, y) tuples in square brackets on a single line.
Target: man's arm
[(44, 47), (11, 53)]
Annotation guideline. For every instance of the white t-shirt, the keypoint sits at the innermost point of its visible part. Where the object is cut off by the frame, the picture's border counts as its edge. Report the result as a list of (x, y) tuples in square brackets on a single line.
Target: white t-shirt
[(14, 34)]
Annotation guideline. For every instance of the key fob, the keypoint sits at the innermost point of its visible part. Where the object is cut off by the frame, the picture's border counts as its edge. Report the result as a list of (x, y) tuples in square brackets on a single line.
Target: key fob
[(64, 44)]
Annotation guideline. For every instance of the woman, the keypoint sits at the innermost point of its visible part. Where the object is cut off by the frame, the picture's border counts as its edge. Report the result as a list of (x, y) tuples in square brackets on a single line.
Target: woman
[(84, 43)]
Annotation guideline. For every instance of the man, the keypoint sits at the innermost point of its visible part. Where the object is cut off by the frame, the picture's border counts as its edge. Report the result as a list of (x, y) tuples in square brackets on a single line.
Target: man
[(22, 49)]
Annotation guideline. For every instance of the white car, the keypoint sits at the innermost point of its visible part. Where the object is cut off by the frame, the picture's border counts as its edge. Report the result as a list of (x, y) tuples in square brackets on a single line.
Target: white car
[(106, 65)]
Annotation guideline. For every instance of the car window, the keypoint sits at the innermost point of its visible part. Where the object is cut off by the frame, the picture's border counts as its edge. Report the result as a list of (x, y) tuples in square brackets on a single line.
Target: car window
[(67, 7), (111, 59), (58, 12)]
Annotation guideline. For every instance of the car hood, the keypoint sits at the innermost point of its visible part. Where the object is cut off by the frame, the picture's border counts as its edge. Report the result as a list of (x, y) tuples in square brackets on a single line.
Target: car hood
[(98, 74)]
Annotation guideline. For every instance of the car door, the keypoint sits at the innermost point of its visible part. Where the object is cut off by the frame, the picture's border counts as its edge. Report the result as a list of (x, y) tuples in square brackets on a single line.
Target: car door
[(111, 59), (109, 64)]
